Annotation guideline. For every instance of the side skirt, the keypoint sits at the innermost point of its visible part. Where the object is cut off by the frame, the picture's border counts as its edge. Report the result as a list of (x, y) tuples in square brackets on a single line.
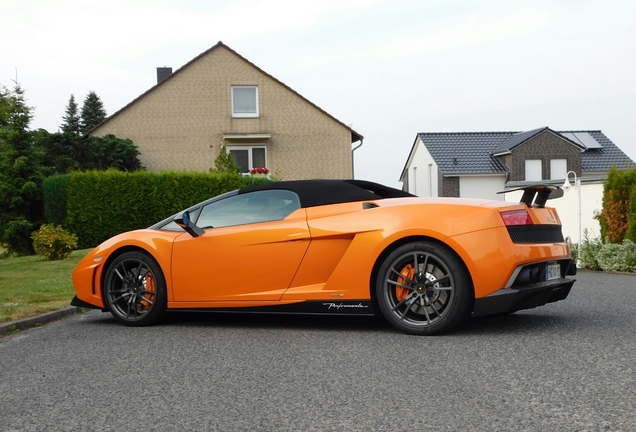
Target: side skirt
[(313, 307)]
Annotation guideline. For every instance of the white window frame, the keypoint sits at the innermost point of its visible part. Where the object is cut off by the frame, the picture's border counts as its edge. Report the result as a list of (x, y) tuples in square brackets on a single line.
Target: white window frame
[(250, 159), (243, 114), (534, 167), (558, 169)]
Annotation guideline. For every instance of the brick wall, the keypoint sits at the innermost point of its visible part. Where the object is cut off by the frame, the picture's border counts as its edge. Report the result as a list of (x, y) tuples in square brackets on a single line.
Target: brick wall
[(545, 146), (180, 124)]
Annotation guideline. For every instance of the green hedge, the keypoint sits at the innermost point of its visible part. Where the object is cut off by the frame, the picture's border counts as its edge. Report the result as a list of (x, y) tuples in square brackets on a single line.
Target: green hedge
[(54, 191), (96, 205), (104, 203)]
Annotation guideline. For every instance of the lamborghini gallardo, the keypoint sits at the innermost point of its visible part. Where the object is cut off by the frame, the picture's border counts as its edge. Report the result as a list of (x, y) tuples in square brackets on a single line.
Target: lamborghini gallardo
[(336, 247)]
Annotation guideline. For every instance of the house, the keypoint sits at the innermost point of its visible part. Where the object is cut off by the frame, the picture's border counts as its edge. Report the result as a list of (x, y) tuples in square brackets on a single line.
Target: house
[(482, 164), (220, 98)]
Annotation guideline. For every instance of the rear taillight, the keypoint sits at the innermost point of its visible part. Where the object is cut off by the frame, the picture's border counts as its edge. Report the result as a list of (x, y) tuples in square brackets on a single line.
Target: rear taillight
[(516, 217)]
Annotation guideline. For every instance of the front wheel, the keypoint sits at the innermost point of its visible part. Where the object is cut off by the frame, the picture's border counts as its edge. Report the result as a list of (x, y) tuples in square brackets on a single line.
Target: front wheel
[(135, 289), (423, 288)]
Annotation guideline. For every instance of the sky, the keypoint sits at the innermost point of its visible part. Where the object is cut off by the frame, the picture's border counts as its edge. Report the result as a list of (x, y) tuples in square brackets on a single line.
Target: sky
[(387, 68)]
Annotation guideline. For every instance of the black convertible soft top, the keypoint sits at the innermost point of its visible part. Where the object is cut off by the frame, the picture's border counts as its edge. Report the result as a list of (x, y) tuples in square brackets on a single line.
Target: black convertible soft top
[(314, 193)]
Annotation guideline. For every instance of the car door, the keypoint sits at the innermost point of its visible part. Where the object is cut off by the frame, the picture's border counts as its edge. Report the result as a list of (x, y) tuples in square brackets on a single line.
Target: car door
[(251, 248)]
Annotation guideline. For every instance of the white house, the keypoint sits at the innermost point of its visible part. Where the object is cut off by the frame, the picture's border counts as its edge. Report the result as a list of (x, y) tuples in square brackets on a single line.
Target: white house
[(482, 164)]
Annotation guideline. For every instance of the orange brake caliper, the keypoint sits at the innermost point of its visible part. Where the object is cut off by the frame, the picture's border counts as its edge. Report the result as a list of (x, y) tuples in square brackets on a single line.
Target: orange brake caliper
[(408, 272), (150, 286)]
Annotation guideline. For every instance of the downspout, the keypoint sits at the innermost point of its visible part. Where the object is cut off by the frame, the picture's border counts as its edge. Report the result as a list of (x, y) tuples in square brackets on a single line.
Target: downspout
[(352, 158)]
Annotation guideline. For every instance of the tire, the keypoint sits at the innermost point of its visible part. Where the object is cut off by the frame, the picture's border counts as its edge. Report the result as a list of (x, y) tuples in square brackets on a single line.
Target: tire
[(424, 288), (135, 289)]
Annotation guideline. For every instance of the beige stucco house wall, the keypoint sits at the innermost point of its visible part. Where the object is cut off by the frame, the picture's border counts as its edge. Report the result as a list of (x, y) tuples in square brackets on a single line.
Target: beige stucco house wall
[(182, 122)]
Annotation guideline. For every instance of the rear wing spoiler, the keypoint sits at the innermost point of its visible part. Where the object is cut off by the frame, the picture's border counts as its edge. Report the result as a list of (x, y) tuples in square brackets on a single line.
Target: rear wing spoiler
[(536, 195)]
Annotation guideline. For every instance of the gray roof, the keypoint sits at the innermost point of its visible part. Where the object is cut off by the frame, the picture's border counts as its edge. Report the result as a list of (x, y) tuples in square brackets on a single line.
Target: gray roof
[(515, 139), (466, 153)]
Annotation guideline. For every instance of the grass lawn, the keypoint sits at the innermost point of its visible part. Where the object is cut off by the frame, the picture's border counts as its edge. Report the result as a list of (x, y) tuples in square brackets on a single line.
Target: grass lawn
[(31, 285)]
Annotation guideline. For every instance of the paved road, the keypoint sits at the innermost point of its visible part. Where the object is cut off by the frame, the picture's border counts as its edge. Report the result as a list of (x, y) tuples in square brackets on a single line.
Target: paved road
[(566, 366)]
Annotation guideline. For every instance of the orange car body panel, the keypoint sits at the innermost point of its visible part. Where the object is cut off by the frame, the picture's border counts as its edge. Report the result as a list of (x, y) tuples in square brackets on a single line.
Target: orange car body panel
[(321, 253)]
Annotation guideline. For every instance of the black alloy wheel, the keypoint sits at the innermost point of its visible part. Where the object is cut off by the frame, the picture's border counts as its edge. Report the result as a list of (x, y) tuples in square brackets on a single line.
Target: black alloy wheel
[(424, 288), (135, 289)]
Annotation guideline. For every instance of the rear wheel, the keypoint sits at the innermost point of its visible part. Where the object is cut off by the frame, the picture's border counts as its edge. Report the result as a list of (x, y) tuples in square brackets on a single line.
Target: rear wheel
[(135, 289), (423, 288)]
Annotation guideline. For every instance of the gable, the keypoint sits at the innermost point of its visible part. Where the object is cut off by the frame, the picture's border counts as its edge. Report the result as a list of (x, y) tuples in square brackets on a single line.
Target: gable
[(183, 123), (220, 70), (544, 147)]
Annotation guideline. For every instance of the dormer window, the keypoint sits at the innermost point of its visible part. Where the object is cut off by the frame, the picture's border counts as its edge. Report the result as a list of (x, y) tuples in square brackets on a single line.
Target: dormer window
[(244, 101), (533, 170)]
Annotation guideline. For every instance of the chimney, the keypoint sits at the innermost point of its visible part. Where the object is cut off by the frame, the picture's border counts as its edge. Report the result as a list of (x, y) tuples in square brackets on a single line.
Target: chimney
[(163, 73)]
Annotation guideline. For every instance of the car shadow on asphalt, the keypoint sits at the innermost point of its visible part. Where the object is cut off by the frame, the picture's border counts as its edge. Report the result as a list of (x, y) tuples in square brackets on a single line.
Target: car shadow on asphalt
[(259, 321), (515, 323), (276, 321)]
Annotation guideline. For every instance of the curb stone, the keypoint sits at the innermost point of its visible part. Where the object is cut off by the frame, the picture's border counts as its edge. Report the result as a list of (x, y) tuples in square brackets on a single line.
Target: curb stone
[(36, 321)]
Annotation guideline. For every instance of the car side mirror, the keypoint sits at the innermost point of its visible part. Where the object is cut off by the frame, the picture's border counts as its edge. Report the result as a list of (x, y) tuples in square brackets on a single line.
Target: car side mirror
[(186, 223)]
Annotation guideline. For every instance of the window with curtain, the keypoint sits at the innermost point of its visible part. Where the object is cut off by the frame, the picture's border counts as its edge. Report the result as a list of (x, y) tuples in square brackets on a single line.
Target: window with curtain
[(248, 157), (244, 101)]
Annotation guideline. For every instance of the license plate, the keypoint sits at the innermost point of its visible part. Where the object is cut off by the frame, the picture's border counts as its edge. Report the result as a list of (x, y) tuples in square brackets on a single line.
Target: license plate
[(552, 271)]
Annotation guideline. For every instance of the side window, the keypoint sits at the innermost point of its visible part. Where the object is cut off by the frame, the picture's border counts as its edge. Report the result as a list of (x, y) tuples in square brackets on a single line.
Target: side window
[(253, 207)]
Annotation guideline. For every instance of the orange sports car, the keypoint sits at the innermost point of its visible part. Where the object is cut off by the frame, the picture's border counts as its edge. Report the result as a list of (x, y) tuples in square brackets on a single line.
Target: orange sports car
[(336, 247)]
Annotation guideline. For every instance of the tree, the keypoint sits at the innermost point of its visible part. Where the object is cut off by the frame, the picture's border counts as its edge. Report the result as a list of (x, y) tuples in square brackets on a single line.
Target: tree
[(224, 163), (112, 152), (72, 120), (93, 112), (64, 152), (21, 203)]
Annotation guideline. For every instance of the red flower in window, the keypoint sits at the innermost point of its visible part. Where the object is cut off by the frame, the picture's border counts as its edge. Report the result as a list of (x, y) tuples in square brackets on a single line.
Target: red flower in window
[(259, 170)]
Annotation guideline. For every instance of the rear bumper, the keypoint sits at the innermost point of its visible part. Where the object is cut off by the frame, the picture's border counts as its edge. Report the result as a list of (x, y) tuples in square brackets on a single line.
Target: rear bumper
[(516, 298)]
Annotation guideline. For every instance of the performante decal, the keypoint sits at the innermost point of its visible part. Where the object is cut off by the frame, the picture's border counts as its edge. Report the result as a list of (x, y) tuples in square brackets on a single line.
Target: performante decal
[(344, 305)]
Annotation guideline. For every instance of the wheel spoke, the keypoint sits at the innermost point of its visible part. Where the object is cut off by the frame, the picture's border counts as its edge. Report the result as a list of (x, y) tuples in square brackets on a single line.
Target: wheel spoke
[(401, 275), (415, 265), (404, 300), (121, 297), (147, 299), (440, 280), (141, 264), (428, 318), (450, 288), (432, 305), (119, 274), (400, 285), (119, 291), (408, 306), (146, 270), (425, 263)]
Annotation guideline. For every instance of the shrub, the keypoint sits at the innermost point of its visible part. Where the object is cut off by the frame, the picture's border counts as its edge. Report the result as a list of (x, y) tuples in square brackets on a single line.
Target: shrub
[(618, 257), (53, 242), (15, 238), (588, 251), (254, 181), (607, 256), (574, 252)]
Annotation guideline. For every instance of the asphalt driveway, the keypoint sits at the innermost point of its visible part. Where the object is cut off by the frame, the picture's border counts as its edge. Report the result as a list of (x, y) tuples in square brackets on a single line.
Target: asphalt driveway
[(565, 366)]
